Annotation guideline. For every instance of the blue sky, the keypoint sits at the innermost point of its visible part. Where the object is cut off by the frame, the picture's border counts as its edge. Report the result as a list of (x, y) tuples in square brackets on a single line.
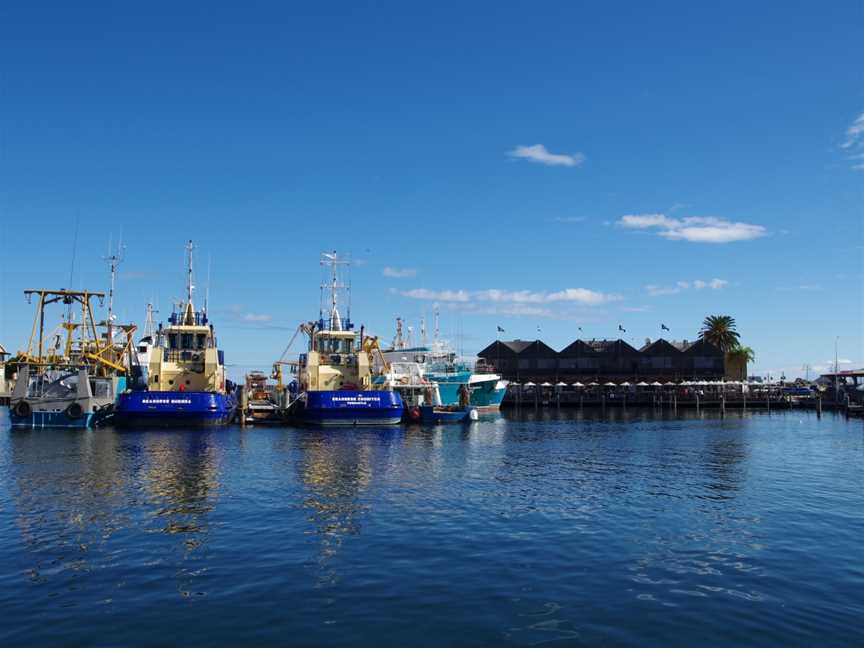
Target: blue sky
[(529, 166)]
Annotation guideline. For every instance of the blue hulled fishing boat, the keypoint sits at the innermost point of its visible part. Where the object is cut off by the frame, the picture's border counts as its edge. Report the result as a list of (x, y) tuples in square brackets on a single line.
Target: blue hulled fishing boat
[(184, 383)]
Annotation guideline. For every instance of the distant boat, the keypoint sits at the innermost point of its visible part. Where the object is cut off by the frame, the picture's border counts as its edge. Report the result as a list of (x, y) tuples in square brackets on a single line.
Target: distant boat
[(185, 376), (441, 366), (335, 375)]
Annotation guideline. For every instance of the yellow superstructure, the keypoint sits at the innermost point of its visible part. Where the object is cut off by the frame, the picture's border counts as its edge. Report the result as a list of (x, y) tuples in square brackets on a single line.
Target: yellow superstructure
[(186, 357), (334, 363)]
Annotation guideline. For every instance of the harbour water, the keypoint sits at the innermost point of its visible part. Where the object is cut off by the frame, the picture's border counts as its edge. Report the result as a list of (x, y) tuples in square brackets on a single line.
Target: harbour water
[(633, 528)]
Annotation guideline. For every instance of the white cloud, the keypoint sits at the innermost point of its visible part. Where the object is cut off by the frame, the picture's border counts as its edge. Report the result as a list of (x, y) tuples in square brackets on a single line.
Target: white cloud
[(493, 295), (399, 273), (436, 295), (256, 317), (654, 290), (697, 229), (855, 133), (538, 153), (854, 142), (644, 221)]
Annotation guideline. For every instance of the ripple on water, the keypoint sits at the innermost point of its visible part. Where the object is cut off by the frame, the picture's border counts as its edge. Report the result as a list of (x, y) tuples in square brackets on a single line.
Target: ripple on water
[(522, 529)]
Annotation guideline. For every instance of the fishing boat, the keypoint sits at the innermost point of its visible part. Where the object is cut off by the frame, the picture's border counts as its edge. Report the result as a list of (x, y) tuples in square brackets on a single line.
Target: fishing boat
[(70, 377), (186, 382), (7, 378), (335, 376), (442, 366), (442, 414), (262, 402)]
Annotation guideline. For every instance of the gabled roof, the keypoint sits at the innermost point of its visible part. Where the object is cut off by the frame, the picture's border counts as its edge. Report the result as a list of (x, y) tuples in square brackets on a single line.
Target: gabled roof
[(702, 347), (507, 347), (537, 348), (618, 346), (660, 346), (577, 348)]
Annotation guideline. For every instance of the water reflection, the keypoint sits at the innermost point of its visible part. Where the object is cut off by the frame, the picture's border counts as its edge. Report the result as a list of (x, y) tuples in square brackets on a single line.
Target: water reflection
[(69, 490), (337, 467), (74, 491)]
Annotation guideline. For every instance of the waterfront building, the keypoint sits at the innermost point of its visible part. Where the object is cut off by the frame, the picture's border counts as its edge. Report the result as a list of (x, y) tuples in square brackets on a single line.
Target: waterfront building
[(606, 360)]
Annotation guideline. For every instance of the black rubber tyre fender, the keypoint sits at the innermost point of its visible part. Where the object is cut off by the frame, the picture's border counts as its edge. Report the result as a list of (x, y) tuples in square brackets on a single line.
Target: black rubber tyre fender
[(75, 411), (22, 409)]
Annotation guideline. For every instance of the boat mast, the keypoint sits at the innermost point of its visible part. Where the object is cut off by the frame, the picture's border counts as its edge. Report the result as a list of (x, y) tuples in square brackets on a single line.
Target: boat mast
[(331, 287), (149, 326), (114, 260), (189, 315)]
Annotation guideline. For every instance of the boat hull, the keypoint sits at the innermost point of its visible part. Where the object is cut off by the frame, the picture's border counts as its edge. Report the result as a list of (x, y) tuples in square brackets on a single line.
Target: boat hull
[(349, 407), (486, 395), (437, 415), (52, 420), (168, 409)]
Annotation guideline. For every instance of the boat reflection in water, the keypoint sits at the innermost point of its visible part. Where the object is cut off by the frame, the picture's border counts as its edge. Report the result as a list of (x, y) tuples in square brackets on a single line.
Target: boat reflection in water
[(76, 515), (336, 475)]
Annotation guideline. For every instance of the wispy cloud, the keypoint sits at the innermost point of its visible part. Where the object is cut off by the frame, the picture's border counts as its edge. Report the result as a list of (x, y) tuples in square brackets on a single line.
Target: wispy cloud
[(654, 290), (582, 296), (853, 142), (569, 219), (436, 295), (399, 273), (256, 317), (697, 229), (804, 287), (538, 153)]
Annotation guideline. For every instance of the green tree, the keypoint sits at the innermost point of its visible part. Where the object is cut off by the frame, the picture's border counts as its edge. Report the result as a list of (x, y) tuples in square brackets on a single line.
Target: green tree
[(736, 362), (742, 354), (719, 330)]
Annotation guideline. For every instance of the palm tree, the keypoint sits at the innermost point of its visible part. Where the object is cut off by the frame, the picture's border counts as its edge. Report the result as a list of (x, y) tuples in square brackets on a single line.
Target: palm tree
[(719, 330), (736, 362), (742, 354)]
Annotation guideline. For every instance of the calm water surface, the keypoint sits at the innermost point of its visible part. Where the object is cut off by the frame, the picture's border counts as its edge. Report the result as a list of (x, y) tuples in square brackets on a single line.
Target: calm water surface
[(517, 530)]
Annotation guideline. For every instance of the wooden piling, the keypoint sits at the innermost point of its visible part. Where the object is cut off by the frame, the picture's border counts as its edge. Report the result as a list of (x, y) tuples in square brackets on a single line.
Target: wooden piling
[(244, 404)]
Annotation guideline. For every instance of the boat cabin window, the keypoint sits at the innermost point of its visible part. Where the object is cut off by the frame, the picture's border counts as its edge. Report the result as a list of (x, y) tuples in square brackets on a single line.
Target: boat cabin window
[(186, 340), (335, 345), (201, 340), (172, 340)]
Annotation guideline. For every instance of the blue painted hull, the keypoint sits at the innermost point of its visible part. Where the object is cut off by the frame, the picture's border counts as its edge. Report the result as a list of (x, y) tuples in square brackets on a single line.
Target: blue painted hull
[(52, 420), (436, 415), (349, 407), (149, 408)]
